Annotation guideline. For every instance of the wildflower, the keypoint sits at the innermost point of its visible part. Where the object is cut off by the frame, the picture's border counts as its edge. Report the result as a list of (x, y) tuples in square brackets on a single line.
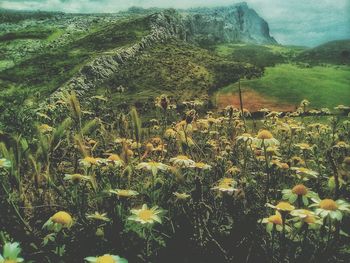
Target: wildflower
[(88, 161), (10, 253), (58, 221), (98, 216), (115, 160), (146, 215), (341, 107), (152, 166), (124, 193), (304, 103), (341, 145), (265, 137), (43, 128), (202, 166), (76, 178), (298, 191), (331, 208), (225, 185), (274, 221), (181, 196), (282, 207), (4, 163), (170, 133), (234, 170), (303, 146), (107, 258), (304, 173), (182, 161), (306, 216)]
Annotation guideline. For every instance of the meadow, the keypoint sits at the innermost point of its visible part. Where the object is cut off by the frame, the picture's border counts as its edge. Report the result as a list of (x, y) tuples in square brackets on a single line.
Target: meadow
[(324, 86), (97, 185)]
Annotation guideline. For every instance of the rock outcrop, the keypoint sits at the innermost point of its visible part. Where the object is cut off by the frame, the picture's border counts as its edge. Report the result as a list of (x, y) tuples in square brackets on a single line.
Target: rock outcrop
[(163, 25), (236, 23)]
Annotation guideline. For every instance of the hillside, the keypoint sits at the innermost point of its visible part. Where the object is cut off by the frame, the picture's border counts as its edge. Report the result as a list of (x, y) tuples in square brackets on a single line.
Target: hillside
[(334, 52)]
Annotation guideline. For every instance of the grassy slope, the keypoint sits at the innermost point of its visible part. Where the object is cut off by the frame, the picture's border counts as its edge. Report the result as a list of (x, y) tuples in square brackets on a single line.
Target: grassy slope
[(261, 56), (323, 86), (47, 71), (175, 68)]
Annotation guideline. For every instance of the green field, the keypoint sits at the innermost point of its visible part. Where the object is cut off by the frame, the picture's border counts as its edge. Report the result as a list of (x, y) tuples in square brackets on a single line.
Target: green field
[(322, 86)]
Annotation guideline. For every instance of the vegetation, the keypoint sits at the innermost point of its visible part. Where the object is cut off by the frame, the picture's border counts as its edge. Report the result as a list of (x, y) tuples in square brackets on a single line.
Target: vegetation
[(261, 56), (334, 52), (178, 69), (107, 186), (324, 86)]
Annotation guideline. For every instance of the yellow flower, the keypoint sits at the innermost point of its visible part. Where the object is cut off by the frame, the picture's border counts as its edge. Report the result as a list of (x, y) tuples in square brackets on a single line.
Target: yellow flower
[(62, 218), (98, 216), (76, 178), (202, 166), (306, 216), (282, 207), (275, 219), (329, 207), (328, 204), (124, 193), (107, 258), (170, 133), (264, 135), (146, 215), (89, 161), (300, 189), (45, 128)]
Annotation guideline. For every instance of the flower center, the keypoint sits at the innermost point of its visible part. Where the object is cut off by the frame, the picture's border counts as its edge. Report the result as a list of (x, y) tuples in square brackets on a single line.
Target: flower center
[(265, 135), (299, 189), (146, 214), (106, 259), (10, 261), (328, 204)]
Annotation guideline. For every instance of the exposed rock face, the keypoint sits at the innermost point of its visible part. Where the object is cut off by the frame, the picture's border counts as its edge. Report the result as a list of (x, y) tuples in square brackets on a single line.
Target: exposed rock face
[(237, 23)]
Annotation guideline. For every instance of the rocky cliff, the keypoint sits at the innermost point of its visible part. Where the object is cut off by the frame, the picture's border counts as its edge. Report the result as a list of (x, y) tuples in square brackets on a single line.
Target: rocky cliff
[(236, 23)]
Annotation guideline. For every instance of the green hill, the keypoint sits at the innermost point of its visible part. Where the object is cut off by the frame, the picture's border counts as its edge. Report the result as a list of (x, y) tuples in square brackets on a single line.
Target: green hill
[(289, 84), (334, 52)]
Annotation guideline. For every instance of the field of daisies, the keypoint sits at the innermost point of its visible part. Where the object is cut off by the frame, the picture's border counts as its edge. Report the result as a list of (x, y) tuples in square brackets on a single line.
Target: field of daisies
[(93, 184)]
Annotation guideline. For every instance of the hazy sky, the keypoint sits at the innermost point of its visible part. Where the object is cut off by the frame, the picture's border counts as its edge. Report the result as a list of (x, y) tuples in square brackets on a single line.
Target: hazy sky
[(298, 22)]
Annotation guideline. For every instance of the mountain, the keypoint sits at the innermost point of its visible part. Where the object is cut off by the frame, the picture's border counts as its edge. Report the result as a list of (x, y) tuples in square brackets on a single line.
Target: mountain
[(334, 52), (236, 23)]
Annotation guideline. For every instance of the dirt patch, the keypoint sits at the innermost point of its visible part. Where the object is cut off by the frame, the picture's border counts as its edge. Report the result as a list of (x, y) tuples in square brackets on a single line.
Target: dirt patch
[(252, 100)]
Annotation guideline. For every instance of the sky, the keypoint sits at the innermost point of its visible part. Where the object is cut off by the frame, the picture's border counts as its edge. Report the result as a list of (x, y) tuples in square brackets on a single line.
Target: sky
[(292, 22)]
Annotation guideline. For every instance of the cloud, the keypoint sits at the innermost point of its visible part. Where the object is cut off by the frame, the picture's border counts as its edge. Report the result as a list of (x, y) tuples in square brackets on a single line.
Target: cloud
[(297, 22)]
